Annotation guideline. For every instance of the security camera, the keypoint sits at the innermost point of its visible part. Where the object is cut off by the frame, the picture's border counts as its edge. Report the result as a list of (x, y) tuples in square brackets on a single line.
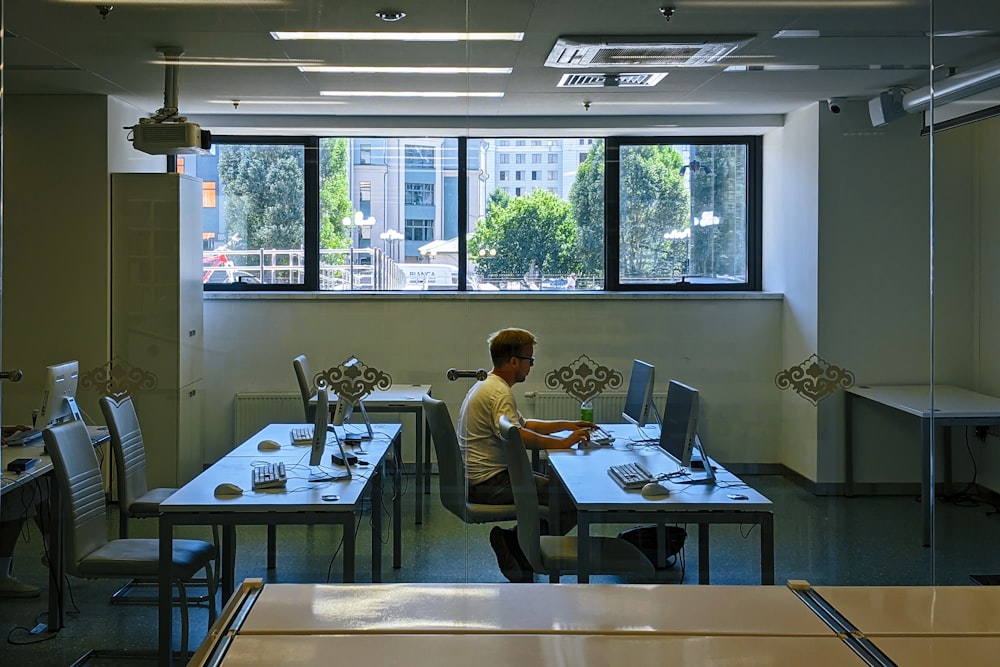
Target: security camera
[(835, 104)]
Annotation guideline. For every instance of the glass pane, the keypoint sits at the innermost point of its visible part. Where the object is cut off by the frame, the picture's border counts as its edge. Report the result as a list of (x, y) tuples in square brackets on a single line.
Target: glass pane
[(684, 213), (389, 219), (540, 227), (253, 208)]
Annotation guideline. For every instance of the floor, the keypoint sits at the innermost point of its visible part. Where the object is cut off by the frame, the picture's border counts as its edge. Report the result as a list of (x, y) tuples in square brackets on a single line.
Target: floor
[(825, 540)]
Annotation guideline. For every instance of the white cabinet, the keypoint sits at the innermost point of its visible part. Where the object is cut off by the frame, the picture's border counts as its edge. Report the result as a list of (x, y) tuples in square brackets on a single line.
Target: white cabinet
[(157, 314)]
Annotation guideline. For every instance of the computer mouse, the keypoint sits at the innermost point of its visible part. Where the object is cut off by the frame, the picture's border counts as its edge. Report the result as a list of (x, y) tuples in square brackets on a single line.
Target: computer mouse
[(655, 491), (227, 490), (268, 445)]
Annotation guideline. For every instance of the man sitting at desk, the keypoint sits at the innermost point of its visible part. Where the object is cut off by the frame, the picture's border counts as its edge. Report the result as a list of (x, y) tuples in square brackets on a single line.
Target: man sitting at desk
[(482, 448)]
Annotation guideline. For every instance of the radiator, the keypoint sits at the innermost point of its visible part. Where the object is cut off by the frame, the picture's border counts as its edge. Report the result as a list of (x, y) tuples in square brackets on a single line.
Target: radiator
[(253, 412), (555, 405)]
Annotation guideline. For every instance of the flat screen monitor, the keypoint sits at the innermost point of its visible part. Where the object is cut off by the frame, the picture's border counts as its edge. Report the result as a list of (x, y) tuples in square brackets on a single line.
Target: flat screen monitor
[(319, 428), (639, 396), (59, 397), (680, 422)]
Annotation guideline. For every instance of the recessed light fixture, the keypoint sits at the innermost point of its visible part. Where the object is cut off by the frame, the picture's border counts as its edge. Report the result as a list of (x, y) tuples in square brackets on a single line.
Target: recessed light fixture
[(239, 62), (403, 36), (349, 69), (390, 15), (407, 93)]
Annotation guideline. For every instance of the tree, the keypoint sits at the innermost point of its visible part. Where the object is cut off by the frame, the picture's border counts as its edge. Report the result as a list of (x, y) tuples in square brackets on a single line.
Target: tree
[(718, 186), (533, 231), (586, 197), (264, 198), (334, 195)]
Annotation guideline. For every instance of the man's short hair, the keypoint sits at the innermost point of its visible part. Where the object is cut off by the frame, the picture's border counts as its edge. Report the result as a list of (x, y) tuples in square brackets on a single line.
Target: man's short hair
[(508, 343)]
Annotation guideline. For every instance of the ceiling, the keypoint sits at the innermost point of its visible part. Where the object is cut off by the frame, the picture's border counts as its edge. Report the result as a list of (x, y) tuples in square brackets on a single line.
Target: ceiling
[(865, 46)]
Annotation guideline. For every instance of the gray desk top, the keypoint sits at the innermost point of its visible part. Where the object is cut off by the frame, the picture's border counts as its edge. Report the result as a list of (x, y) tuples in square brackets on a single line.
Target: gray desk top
[(915, 399)]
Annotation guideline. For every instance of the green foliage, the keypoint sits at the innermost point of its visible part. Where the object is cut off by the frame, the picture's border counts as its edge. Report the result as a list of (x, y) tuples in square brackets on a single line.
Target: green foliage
[(334, 194), (533, 231), (586, 197), (264, 197), (719, 250)]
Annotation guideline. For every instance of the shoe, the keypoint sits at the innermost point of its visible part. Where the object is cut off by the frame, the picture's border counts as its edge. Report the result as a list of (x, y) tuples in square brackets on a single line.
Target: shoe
[(527, 573), (12, 587), (509, 566)]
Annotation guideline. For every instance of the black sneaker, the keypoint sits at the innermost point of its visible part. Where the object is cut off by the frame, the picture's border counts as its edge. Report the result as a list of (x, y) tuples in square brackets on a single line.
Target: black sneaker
[(500, 541), (515, 548)]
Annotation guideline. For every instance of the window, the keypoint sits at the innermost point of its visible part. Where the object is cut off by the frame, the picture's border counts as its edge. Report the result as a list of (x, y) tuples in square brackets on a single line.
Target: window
[(419, 230), (553, 158), (365, 154), (419, 157), (519, 158), (302, 213), (180, 165), (521, 142), (208, 194), (536, 158), (419, 194), (504, 158)]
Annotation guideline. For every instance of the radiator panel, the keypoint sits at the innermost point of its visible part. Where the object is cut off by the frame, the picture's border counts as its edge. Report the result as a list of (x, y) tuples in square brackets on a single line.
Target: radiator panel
[(253, 412), (555, 405)]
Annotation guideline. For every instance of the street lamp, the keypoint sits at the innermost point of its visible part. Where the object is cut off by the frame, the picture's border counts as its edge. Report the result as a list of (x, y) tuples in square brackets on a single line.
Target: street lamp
[(393, 237), (359, 222)]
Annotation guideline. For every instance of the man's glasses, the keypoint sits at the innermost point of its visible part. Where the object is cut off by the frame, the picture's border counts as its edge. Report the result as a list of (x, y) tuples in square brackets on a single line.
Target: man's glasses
[(530, 360)]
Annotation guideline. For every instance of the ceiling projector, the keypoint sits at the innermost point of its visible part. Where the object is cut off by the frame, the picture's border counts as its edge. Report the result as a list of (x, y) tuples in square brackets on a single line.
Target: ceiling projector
[(169, 138)]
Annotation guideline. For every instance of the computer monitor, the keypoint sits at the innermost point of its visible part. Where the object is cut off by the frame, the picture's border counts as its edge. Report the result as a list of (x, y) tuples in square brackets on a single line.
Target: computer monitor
[(639, 396), (59, 397), (344, 410), (319, 428), (679, 432)]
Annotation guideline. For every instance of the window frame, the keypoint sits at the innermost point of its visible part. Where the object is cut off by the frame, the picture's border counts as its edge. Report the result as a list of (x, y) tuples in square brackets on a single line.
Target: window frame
[(612, 283)]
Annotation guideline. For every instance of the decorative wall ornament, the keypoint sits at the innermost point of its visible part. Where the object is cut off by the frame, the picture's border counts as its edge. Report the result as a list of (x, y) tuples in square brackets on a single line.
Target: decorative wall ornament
[(353, 380), (118, 379), (584, 378), (814, 379)]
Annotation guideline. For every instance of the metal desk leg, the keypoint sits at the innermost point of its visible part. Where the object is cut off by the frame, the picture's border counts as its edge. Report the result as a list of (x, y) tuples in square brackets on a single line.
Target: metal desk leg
[(350, 547), (57, 560), (427, 452), (582, 548), (418, 457), (926, 480), (377, 524), (848, 444), (165, 622), (397, 516), (703, 564), (227, 577), (766, 549), (272, 546)]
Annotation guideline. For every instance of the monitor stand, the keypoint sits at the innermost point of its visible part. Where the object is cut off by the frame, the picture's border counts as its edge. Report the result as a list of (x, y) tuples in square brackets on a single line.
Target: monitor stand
[(706, 463)]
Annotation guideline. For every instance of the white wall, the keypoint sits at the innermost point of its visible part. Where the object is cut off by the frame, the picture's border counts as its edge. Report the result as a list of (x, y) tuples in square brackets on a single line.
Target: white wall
[(728, 347)]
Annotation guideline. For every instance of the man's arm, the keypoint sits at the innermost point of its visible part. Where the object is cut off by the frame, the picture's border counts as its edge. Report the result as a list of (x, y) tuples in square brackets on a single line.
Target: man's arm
[(536, 433)]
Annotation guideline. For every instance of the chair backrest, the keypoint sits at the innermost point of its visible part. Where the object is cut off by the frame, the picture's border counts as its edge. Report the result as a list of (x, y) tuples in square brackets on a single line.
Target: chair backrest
[(451, 467), (128, 447), (522, 482), (81, 487), (306, 386)]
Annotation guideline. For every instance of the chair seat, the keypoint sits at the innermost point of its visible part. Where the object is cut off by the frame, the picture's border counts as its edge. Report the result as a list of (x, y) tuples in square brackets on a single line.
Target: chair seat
[(147, 506), (140, 558), (609, 555), (478, 513)]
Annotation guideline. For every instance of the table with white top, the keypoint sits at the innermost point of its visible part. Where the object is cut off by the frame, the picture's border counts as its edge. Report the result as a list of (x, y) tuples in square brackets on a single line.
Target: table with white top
[(42, 473), (582, 473), (401, 398), (300, 502), (952, 406)]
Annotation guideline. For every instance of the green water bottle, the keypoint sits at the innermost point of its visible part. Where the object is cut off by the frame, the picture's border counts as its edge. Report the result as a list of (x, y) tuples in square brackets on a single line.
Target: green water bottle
[(587, 411)]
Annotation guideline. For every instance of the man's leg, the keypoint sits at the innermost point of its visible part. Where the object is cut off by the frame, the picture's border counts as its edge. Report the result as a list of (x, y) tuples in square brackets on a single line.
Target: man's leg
[(497, 491), (10, 587)]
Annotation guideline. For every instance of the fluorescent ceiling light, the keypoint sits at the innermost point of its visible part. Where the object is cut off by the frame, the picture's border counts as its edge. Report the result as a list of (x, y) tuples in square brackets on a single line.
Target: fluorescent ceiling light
[(275, 101), (238, 62), (404, 93), (796, 34), (771, 68), (404, 36), (329, 69)]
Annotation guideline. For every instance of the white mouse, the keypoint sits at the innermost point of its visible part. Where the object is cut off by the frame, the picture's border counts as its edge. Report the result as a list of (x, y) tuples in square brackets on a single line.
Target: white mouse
[(227, 490), (268, 445), (655, 491)]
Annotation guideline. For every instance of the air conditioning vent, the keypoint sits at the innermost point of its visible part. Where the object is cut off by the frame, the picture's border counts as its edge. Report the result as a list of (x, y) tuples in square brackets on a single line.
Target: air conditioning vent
[(643, 51), (601, 80)]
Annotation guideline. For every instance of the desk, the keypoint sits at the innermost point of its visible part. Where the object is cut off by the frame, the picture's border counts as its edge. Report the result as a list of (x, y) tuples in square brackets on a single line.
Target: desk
[(442, 625), (42, 473), (599, 499), (953, 406), (397, 399), (299, 503)]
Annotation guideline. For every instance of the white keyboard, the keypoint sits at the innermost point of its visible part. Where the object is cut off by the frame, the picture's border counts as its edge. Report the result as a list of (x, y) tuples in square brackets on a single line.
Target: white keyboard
[(630, 475), (269, 476), (302, 435), (599, 436)]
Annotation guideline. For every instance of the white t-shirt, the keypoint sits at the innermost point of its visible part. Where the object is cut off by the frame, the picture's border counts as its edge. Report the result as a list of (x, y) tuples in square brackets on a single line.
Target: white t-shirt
[(479, 427)]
